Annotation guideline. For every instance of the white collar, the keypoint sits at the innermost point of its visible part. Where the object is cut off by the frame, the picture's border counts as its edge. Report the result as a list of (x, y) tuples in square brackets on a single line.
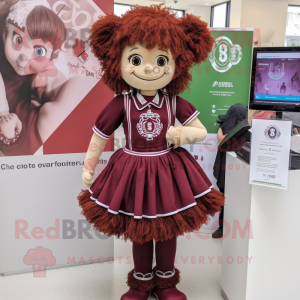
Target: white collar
[(159, 105), (143, 101)]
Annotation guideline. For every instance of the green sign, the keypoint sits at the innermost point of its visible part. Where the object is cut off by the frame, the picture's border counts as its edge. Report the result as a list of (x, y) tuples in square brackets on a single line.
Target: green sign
[(224, 79)]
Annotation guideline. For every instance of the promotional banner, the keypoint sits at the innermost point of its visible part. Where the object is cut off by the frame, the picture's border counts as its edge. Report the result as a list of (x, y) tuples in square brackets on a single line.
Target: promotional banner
[(51, 78), (217, 84), (224, 79), (51, 84)]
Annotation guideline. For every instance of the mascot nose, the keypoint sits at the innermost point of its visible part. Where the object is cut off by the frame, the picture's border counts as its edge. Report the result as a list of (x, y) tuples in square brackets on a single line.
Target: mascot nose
[(148, 69)]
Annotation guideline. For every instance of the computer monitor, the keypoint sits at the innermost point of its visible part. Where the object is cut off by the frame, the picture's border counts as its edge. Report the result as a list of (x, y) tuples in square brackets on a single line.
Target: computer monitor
[(275, 79)]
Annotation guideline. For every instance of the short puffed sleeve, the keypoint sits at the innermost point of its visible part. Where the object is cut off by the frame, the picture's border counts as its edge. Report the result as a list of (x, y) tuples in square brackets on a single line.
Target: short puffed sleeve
[(110, 118), (185, 111)]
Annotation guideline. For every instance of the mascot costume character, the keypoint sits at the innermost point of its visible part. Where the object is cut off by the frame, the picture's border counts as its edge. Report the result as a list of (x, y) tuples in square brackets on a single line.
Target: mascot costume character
[(152, 189)]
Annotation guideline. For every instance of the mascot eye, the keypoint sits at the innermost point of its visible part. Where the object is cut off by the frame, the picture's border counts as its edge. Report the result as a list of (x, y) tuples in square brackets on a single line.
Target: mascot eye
[(17, 39), (40, 51), (161, 60), (136, 60)]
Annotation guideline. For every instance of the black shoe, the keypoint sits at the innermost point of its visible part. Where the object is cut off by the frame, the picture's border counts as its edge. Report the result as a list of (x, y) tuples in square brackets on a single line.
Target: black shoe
[(218, 234)]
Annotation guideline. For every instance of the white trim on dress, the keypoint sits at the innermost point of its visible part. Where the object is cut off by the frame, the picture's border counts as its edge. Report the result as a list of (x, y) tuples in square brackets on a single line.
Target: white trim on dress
[(100, 133), (174, 105), (147, 153), (127, 104), (169, 111), (142, 216), (129, 116), (202, 194), (143, 101), (169, 116), (191, 118), (148, 103), (146, 216)]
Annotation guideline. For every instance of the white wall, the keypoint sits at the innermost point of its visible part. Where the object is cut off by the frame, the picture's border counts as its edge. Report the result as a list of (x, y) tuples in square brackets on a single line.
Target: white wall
[(235, 13), (201, 11), (269, 16)]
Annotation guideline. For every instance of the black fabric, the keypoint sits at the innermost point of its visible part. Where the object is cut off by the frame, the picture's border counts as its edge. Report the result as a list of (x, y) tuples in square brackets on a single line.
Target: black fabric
[(221, 119), (219, 170), (234, 116), (221, 216)]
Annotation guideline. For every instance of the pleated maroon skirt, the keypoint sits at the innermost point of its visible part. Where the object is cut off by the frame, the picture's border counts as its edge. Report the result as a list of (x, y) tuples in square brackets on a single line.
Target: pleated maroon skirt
[(150, 197)]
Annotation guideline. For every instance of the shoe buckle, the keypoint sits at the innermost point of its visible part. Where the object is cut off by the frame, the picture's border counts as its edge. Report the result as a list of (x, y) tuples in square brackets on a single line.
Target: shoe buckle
[(167, 274), (143, 277)]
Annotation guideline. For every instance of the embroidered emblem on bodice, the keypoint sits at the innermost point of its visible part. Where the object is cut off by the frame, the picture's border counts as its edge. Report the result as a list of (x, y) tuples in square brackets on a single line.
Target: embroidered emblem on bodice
[(149, 125)]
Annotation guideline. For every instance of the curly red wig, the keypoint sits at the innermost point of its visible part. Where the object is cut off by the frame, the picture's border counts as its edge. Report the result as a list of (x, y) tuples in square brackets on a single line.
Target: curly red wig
[(188, 38)]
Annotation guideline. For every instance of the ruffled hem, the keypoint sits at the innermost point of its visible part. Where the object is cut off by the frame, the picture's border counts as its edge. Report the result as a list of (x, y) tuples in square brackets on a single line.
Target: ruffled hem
[(158, 229)]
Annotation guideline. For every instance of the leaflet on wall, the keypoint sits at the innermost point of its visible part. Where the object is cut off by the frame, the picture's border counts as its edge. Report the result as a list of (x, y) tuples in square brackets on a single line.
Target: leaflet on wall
[(270, 153)]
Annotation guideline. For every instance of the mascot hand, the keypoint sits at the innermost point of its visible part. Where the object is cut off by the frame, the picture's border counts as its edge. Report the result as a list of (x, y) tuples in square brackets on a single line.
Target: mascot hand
[(173, 135), (87, 179)]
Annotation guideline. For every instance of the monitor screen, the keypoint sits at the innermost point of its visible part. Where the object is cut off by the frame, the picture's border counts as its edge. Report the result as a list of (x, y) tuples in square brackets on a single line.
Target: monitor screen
[(275, 80)]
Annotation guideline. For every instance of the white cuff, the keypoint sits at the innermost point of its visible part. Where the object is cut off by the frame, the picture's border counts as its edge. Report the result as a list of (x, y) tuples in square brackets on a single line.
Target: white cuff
[(100, 133), (191, 118)]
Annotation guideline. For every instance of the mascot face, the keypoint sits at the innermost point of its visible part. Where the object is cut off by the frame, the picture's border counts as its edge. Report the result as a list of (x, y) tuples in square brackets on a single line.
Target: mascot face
[(147, 69)]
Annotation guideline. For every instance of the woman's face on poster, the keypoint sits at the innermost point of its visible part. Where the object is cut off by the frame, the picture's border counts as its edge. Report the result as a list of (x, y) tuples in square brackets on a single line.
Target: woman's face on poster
[(20, 49)]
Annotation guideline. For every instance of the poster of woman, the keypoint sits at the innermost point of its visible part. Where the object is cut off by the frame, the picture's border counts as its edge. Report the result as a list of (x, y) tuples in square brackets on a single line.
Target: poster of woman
[(47, 75)]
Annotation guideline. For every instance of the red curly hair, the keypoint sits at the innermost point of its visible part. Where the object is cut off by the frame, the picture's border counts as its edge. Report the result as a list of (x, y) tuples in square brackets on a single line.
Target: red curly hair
[(188, 38)]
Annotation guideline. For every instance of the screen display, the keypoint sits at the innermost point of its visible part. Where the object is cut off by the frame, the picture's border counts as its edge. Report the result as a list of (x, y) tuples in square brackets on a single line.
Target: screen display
[(277, 78)]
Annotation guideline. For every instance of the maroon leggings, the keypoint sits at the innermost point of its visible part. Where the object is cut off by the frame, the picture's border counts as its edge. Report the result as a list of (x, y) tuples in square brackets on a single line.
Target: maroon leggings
[(164, 252)]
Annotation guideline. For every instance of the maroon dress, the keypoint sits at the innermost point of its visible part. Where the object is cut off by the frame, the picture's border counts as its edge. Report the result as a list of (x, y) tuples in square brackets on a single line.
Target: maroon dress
[(148, 190)]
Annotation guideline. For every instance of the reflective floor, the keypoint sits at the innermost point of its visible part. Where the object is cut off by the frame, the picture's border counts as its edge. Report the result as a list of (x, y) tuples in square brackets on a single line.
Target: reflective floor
[(197, 259)]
